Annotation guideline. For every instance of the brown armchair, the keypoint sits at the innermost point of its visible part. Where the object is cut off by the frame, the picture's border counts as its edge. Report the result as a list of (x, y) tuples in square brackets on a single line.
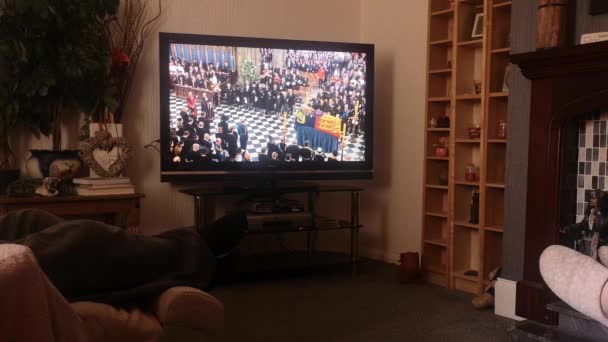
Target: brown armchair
[(32, 309)]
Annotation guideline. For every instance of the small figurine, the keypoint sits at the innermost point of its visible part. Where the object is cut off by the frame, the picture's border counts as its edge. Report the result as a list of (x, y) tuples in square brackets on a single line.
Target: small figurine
[(49, 187), (474, 208), (470, 174), (443, 121), (502, 129), (433, 123), (477, 87), (475, 132)]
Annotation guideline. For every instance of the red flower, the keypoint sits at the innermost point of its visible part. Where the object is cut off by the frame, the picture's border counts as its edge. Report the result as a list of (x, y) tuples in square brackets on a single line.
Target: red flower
[(119, 58)]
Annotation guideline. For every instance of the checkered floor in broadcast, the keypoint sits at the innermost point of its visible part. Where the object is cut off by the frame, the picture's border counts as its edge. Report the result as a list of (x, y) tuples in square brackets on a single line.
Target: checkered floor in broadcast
[(261, 126)]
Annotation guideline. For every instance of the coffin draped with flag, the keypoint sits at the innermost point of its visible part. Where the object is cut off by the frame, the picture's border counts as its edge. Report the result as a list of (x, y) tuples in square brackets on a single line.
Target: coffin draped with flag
[(321, 130)]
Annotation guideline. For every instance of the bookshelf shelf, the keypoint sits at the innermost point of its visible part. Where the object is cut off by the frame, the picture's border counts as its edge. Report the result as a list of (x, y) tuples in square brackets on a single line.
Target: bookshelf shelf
[(477, 43), (501, 50), (445, 12), (440, 71), (442, 42), (438, 129)]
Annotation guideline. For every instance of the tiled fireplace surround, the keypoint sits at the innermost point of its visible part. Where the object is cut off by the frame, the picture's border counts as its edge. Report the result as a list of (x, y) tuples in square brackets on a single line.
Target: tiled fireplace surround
[(592, 158)]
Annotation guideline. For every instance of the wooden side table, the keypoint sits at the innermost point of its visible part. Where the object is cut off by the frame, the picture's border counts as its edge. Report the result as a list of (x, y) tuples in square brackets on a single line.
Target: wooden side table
[(108, 206)]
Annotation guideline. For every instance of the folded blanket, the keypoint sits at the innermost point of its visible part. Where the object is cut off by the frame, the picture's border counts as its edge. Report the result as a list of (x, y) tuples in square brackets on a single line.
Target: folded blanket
[(31, 308)]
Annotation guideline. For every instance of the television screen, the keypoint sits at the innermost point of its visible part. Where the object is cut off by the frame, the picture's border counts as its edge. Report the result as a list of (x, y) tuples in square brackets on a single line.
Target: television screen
[(233, 106)]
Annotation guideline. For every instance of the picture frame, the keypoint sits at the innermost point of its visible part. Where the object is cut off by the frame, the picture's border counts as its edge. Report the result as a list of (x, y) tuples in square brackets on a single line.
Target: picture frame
[(598, 7), (478, 26)]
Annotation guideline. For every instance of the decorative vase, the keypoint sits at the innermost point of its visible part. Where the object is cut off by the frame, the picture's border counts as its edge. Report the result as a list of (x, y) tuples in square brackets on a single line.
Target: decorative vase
[(441, 152), (61, 164), (551, 23), (470, 174)]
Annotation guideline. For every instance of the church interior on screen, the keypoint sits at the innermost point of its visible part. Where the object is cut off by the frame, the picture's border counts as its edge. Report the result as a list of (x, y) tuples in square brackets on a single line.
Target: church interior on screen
[(233, 104)]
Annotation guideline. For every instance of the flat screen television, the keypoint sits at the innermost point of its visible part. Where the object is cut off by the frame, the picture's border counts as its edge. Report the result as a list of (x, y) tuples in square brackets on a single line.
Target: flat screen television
[(236, 108)]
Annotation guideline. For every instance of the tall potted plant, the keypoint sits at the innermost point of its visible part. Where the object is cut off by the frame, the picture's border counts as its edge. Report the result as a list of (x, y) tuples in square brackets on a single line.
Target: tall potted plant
[(126, 34), (56, 56)]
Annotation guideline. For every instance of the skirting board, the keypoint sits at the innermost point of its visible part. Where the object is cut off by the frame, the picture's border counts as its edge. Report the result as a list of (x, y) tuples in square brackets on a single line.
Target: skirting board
[(379, 255), (505, 292)]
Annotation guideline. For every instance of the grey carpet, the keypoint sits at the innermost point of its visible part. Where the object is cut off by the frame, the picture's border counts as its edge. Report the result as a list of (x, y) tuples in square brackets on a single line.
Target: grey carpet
[(371, 306)]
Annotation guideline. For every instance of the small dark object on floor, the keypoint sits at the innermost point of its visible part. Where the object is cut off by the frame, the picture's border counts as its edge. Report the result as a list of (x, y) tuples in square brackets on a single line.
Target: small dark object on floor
[(471, 273), (409, 268)]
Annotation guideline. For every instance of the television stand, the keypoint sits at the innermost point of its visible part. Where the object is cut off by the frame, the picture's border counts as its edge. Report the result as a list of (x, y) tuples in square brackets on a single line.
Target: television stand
[(268, 186), (205, 201)]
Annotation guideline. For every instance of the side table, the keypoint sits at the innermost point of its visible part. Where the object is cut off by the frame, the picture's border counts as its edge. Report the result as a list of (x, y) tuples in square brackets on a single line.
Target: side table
[(109, 206)]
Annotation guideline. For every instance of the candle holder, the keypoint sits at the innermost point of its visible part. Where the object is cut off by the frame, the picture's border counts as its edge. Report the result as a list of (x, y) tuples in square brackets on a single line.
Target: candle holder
[(474, 132), (470, 174), (441, 149), (502, 129)]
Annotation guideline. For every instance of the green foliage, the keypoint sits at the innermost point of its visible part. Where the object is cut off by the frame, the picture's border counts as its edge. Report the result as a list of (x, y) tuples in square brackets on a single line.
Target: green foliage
[(249, 71), (55, 55)]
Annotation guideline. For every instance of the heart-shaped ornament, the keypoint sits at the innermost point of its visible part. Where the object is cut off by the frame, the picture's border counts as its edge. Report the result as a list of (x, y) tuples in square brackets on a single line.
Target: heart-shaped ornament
[(105, 155), (105, 158)]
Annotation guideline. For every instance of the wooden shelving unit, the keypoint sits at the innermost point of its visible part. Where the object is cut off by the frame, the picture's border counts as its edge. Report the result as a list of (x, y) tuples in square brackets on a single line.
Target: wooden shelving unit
[(465, 78)]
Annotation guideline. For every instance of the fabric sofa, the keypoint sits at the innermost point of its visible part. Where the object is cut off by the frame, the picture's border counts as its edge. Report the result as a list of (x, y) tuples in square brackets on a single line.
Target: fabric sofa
[(32, 309)]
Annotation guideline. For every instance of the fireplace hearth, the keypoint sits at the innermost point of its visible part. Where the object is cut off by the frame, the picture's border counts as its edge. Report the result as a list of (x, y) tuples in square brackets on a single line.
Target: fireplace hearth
[(567, 85)]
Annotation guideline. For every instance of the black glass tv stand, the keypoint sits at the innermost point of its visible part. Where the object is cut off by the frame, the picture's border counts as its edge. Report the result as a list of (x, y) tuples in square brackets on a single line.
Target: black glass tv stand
[(205, 199)]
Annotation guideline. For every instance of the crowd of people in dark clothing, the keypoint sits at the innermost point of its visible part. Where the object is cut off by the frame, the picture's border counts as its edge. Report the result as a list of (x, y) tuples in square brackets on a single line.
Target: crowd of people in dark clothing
[(279, 90)]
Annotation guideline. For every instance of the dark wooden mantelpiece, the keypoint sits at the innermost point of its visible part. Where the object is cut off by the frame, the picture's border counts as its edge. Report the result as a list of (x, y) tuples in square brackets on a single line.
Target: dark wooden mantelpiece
[(563, 62), (566, 82)]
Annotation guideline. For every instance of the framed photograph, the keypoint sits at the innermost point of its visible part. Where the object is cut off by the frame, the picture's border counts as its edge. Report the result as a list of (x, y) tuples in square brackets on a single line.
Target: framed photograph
[(478, 26), (598, 7)]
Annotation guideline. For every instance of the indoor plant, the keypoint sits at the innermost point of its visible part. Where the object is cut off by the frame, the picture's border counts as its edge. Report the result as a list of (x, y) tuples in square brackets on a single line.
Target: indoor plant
[(126, 33), (102, 142), (56, 54)]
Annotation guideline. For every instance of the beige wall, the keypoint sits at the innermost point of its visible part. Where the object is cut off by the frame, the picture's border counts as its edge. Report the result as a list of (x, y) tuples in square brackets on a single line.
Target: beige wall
[(391, 204)]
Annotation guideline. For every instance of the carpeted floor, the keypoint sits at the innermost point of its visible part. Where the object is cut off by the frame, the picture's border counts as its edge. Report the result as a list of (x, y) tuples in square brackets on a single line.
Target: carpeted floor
[(371, 306)]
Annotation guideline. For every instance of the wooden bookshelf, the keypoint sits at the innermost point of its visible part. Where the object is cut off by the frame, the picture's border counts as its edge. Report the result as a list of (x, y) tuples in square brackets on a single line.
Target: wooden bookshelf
[(465, 82)]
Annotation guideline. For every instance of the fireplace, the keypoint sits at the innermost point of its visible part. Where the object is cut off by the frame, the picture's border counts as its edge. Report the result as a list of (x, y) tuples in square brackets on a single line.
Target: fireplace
[(569, 85)]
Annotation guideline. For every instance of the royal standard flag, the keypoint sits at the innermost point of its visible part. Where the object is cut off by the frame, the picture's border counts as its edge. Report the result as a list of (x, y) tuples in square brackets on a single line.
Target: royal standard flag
[(330, 125)]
